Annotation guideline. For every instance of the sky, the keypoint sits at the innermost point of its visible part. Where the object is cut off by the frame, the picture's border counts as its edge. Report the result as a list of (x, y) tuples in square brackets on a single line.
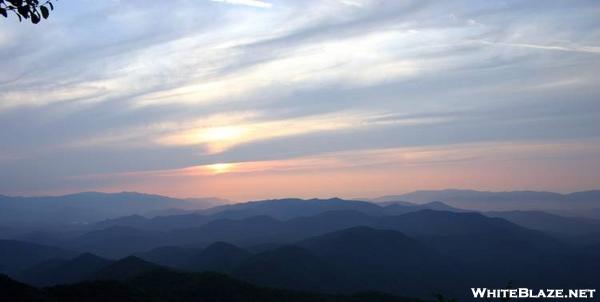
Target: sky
[(249, 99)]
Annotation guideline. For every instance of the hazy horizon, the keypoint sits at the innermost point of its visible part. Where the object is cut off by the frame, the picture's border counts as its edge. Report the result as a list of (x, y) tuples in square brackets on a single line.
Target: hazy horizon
[(308, 197), (260, 99)]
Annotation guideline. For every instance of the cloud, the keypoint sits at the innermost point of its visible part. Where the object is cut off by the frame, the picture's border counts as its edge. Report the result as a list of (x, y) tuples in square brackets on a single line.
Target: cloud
[(253, 3), (137, 86), (575, 48)]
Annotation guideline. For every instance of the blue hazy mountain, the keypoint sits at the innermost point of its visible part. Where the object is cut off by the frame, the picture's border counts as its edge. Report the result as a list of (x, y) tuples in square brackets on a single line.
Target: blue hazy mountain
[(553, 224), (477, 240), (84, 208), (219, 256), (116, 242), (170, 256), (168, 222), (124, 269), (85, 267), (370, 258), (291, 208), (292, 267), (53, 272), (17, 255), (456, 195), (382, 259), (284, 209), (331, 246), (396, 208), (586, 203), (81, 208), (264, 229)]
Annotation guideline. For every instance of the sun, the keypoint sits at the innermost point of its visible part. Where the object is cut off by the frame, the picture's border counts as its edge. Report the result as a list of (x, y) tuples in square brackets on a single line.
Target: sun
[(220, 168)]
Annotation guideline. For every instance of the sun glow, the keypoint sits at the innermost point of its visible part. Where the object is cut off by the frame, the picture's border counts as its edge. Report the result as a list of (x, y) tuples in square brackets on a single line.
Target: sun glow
[(220, 138), (217, 139), (218, 134), (220, 168)]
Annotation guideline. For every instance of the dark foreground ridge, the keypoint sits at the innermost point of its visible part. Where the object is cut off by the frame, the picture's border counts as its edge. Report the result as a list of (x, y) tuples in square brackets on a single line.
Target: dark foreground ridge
[(165, 285)]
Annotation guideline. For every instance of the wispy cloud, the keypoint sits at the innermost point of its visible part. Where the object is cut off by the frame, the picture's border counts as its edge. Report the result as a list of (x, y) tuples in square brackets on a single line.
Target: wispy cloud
[(254, 3), (573, 48)]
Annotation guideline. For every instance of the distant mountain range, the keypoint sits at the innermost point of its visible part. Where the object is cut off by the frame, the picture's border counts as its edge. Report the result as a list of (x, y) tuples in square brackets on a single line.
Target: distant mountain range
[(91, 207), (88, 207), (553, 224), (282, 221), (473, 249), (281, 209), (17, 255), (585, 203), (293, 207), (410, 247)]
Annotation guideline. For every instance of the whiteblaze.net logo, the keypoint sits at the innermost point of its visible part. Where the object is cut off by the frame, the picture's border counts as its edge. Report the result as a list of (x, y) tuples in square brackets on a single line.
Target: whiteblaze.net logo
[(526, 293)]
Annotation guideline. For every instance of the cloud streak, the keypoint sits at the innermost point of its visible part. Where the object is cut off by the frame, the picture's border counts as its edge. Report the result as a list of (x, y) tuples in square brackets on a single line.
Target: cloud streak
[(254, 3)]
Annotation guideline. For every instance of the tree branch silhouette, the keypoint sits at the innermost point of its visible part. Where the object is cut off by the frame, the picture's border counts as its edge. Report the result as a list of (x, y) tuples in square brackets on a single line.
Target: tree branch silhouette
[(32, 10)]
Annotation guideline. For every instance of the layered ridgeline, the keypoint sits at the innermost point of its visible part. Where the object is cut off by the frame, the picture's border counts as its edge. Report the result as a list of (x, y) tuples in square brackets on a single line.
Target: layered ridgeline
[(92, 207), (320, 245), (585, 203), (133, 279), (89, 207), (414, 254)]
